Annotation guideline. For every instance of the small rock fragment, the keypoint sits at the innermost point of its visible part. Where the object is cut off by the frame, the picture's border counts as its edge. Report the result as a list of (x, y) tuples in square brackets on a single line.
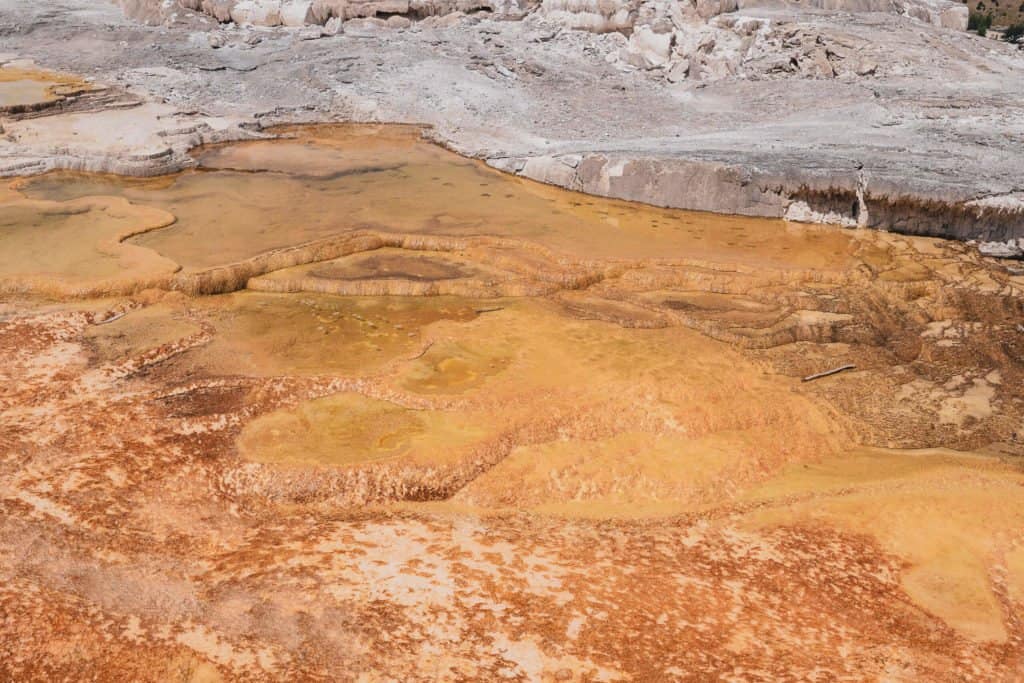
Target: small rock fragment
[(679, 71), (866, 67), (297, 13), (332, 27), (257, 12)]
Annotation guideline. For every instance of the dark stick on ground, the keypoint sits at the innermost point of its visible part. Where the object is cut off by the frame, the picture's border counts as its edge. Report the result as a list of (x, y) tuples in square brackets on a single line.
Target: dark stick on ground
[(828, 372)]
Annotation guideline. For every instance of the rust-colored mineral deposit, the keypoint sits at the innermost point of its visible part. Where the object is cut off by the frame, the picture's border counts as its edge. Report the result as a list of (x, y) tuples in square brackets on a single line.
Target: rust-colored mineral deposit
[(342, 405)]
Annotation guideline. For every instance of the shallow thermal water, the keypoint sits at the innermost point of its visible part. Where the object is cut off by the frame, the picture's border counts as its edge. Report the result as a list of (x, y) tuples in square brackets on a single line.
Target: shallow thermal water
[(255, 197), (23, 92), (20, 87)]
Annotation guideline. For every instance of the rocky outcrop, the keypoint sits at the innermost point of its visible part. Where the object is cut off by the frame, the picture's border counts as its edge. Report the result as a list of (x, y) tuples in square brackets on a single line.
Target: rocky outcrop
[(256, 12), (660, 34), (218, 9), (680, 183), (298, 13), (598, 16), (848, 200), (945, 13), (687, 46), (705, 40)]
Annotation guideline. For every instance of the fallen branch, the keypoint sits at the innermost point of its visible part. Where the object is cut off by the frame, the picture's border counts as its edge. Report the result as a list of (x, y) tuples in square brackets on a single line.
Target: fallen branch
[(423, 352), (828, 372), (111, 319), (489, 310)]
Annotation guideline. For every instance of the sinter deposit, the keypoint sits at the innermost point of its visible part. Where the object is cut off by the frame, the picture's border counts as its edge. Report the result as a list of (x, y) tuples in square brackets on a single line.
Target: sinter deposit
[(343, 405)]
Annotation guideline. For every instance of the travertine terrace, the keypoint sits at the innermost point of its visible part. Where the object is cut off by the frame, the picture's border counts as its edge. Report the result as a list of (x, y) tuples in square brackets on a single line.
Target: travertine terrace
[(398, 416), (292, 391), (854, 112)]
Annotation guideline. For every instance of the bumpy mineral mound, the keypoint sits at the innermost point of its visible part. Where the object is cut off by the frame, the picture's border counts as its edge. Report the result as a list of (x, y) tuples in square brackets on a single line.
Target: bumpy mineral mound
[(343, 405)]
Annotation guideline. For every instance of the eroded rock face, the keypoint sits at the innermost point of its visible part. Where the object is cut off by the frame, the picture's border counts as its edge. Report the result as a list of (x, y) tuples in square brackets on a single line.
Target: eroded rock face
[(703, 41), (218, 9), (599, 16), (674, 36), (943, 13), (693, 39), (698, 185), (298, 13), (257, 12)]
